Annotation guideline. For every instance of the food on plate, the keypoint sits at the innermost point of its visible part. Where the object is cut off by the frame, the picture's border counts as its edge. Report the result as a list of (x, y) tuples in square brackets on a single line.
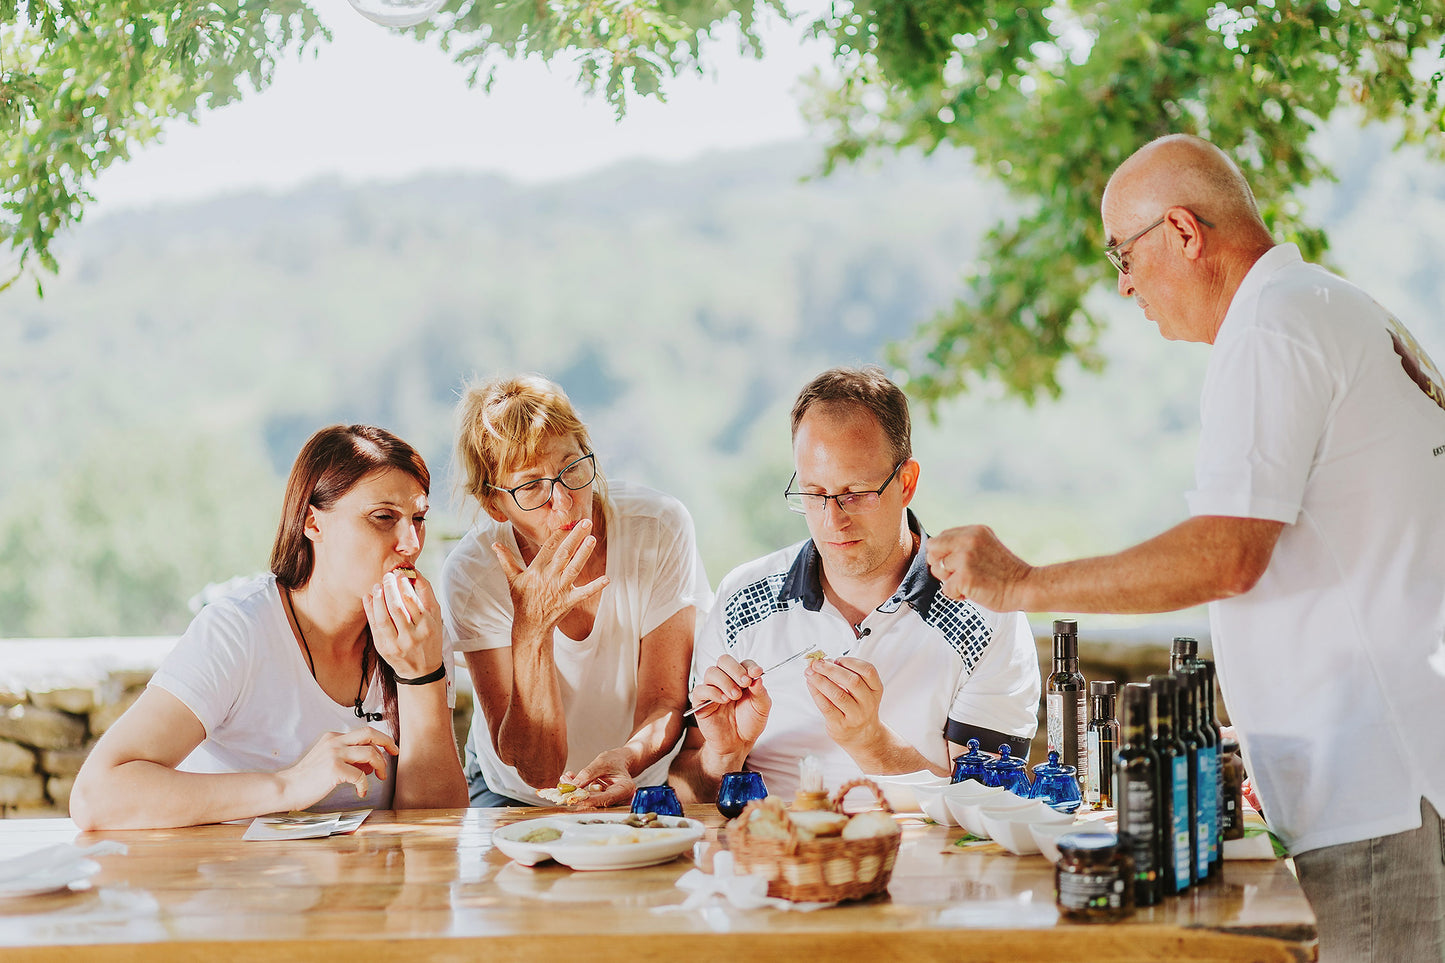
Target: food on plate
[(564, 795), (542, 834), (866, 825), (635, 820)]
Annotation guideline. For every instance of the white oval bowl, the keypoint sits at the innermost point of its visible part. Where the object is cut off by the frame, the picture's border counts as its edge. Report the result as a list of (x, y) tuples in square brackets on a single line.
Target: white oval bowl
[(970, 816), (899, 789), (1046, 835), (1012, 835), (959, 797), (930, 800)]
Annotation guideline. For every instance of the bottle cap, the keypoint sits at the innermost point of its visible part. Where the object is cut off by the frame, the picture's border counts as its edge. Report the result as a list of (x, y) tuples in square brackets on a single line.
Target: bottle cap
[(1103, 687), (1185, 646), (1066, 626)]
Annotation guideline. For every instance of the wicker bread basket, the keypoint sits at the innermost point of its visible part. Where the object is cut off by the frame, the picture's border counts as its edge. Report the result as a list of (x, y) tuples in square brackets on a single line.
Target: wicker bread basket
[(830, 869)]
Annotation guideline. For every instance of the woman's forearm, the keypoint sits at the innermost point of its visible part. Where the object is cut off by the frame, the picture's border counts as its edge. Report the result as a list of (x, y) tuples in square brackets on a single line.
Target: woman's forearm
[(140, 794), (532, 734), (653, 739), (428, 771)]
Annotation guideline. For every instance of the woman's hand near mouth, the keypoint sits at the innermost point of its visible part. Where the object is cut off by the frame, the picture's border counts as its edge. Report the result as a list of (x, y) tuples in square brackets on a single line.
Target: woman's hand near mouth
[(546, 590)]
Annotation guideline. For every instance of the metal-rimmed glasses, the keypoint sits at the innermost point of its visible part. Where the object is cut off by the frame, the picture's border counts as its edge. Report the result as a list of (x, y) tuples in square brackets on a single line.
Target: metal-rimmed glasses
[(850, 503), (1120, 258), (534, 494)]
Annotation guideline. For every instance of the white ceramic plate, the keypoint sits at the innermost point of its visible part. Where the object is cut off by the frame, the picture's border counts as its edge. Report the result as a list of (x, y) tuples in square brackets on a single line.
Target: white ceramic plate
[(49, 880), (599, 840)]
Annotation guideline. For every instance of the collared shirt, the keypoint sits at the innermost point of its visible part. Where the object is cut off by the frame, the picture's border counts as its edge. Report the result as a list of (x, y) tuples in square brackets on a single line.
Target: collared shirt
[(950, 670), (1317, 412)]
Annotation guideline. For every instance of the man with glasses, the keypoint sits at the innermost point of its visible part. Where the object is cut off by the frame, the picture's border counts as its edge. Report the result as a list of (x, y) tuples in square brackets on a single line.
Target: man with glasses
[(903, 677), (1317, 535)]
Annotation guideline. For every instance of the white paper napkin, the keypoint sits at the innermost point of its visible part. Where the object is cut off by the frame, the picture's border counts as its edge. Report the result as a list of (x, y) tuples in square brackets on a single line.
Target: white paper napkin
[(743, 892), (51, 868)]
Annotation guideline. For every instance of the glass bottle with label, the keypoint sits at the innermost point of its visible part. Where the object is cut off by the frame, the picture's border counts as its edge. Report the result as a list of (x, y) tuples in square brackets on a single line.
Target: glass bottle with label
[(1173, 784), (1065, 707), (1210, 719), (1186, 728), (1103, 737), (1208, 765), (1137, 766)]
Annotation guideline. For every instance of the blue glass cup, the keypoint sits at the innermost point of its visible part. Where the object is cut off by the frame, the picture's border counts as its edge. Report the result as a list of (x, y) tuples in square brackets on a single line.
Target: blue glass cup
[(656, 799), (737, 790)]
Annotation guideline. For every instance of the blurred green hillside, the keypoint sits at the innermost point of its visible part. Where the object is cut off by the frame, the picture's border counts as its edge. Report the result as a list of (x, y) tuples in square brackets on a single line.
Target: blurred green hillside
[(158, 393)]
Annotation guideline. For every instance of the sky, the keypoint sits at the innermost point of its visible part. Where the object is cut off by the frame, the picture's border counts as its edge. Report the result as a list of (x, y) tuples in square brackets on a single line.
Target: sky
[(374, 104)]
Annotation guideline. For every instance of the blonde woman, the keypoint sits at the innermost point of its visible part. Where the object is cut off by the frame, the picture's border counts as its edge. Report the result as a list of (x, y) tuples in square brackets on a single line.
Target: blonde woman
[(575, 605)]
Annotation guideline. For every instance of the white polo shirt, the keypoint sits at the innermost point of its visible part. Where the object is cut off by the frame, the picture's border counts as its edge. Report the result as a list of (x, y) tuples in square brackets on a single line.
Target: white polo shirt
[(1311, 417), (950, 670)]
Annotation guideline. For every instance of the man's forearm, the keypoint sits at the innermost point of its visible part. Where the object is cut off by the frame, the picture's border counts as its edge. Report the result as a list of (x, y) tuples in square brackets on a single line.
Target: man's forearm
[(1200, 560), (888, 754)]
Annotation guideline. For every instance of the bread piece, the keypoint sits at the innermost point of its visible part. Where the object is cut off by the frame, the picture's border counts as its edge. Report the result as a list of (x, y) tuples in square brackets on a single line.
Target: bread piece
[(875, 822), (818, 822), (563, 794)]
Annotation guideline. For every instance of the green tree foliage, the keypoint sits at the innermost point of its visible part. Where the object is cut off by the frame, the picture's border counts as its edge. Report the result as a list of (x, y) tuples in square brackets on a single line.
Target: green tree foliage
[(82, 83), (1049, 95)]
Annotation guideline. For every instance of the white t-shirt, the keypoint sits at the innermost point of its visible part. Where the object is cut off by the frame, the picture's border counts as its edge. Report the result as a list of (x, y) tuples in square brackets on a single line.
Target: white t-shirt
[(950, 670), (654, 571), (239, 669), (1309, 418)]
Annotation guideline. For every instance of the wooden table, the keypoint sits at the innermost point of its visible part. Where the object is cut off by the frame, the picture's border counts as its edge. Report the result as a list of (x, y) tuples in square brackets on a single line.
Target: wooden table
[(428, 885)]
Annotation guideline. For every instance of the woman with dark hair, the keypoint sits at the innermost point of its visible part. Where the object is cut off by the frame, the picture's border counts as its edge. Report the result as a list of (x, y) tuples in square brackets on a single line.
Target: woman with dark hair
[(323, 685)]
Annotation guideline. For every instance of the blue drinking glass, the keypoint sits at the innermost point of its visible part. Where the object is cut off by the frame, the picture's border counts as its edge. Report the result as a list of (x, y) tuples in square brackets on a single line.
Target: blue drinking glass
[(656, 799), (1008, 772), (1056, 785), (971, 765), (737, 790)]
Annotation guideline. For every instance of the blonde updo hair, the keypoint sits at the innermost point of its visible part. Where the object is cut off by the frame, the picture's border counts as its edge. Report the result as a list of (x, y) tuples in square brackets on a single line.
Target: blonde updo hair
[(503, 422)]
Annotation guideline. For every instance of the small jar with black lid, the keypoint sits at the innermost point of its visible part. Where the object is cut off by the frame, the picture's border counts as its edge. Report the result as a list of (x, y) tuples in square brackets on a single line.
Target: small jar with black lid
[(1094, 878)]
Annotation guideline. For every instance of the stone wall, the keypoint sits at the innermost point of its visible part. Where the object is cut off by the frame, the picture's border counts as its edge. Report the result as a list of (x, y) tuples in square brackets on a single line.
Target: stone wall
[(57, 696)]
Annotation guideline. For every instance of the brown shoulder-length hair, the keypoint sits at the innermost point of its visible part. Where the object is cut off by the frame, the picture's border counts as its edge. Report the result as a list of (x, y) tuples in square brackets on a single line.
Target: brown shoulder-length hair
[(331, 463)]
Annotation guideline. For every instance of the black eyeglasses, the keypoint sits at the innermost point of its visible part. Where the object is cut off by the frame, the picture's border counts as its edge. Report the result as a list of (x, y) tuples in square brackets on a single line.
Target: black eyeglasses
[(538, 492), (850, 503), (1120, 258)]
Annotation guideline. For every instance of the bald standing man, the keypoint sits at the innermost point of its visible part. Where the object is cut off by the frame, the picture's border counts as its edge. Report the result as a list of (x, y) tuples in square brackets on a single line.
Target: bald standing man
[(1317, 535)]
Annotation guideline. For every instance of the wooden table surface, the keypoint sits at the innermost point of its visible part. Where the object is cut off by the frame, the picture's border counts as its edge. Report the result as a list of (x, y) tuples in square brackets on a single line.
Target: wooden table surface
[(428, 885)]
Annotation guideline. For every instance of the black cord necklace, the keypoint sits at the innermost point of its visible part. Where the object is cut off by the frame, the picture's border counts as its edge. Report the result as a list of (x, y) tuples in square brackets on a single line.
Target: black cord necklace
[(361, 713)]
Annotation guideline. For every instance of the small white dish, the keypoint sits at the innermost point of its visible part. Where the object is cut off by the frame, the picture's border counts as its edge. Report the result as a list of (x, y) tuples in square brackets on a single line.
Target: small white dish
[(1011, 829), (1046, 835), (971, 813), (959, 796), (898, 790), (930, 799), (598, 840)]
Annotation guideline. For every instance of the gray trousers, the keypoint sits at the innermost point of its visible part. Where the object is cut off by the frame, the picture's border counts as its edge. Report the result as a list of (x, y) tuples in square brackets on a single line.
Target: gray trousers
[(1380, 899)]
